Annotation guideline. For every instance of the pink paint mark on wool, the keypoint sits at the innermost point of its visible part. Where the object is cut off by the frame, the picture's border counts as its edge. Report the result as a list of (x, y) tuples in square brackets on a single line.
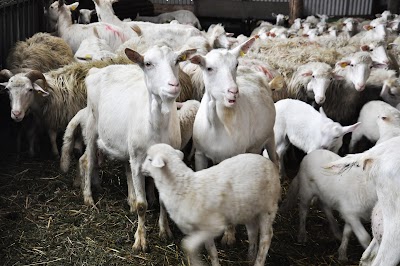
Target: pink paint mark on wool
[(117, 32)]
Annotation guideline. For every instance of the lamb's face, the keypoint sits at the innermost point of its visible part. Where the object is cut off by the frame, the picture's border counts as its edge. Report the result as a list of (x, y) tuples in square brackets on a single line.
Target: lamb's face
[(157, 157), (378, 53), (332, 134)]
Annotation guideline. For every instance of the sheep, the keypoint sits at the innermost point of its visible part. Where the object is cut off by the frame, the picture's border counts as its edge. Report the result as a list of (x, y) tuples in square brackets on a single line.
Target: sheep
[(351, 193), (311, 81), (391, 91), (74, 34), (59, 96), (93, 48), (323, 18), (85, 15), (350, 26), (378, 32), (41, 52), (307, 129), (280, 19), (243, 189), (218, 37), (182, 16), (380, 163), (368, 114), (148, 99)]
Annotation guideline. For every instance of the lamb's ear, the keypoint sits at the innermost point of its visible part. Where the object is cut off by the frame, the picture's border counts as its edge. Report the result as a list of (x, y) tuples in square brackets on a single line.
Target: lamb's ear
[(184, 55), (351, 128), (73, 6), (135, 57), (367, 164), (198, 60), (158, 161), (307, 74), (378, 65), (368, 27), (365, 48), (180, 154), (39, 90), (242, 49), (343, 64)]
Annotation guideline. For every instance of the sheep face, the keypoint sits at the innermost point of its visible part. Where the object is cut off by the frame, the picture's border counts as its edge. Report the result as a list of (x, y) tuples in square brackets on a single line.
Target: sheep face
[(157, 156), (85, 15), (219, 72), (280, 19), (160, 66), (22, 92), (318, 84), (378, 53), (391, 91), (356, 69)]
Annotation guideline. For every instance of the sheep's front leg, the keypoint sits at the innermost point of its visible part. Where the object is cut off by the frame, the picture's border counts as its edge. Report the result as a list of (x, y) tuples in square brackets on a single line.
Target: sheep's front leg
[(131, 190), (229, 236), (88, 163), (53, 142), (252, 232), (141, 204), (345, 241), (200, 160), (193, 242), (270, 146), (212, 252), (165, 231)]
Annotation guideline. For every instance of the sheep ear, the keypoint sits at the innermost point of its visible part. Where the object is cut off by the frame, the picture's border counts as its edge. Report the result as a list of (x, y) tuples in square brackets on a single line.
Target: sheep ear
[(343, 64), (73, 6), (367, 27), (3, 84), (180, 154), (242, 49), (367, 164), (183, 56), (385, 89), (158, 162), (229, 34), (364, 48), (198, 60), (135, 57), (39, 89), (307, 74), (338, 77), (351, 128), (378, 65)]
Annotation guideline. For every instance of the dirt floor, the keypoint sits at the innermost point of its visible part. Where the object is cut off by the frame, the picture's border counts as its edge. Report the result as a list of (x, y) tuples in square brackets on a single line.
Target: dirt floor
[(43, 221)]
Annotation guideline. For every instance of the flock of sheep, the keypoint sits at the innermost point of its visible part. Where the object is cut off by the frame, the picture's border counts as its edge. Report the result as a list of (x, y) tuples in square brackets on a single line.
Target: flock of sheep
[(138, 92)]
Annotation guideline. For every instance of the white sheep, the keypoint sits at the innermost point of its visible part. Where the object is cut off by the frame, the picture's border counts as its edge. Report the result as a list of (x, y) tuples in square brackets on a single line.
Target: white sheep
[(381, 164), (74, 34), (85, 15), (244, 189), (351, 193), (300, 124), (368, 128), (185, 17), (145, 94), (280, 19), (93, 48), (391, 91)]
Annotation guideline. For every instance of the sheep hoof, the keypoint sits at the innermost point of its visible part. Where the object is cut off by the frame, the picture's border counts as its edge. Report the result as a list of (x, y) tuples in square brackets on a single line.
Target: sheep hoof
[(89, 201), (139, 245)]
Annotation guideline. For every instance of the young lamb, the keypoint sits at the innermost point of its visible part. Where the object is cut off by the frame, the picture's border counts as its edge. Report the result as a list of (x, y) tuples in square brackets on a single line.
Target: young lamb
[(368, 119), (351, 193), (145, 93), (380, 163), (244, 189), (300, 124), (85, 15)]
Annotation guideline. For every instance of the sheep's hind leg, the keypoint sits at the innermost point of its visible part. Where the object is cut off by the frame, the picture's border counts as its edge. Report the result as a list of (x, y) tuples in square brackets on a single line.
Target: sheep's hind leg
[(229, 236)]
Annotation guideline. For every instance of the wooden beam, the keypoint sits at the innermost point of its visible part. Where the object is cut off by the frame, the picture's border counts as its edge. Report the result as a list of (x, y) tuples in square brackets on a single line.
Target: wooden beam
[(296, 10)]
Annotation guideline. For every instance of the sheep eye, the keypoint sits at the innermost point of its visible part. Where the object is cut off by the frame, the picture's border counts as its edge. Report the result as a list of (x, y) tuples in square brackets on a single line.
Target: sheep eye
[(351, 65), (237, 65), (147, 64), (209, 69), (313, 76), (371, 50), (30, 89), (331, 78)]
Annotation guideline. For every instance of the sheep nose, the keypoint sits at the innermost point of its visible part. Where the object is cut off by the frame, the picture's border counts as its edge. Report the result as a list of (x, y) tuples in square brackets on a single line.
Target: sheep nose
[(320, 99), (174, 86), (173, 83), (360, 86), (233, 90), (16, 113), (386, 62)]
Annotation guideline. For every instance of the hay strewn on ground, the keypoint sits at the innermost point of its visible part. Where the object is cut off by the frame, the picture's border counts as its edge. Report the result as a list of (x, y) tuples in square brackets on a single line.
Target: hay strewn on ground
[(43, 222)]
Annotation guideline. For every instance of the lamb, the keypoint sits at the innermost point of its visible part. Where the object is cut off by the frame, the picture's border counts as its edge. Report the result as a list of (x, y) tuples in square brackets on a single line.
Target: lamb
[(280, 19), (380, 163), (148, 99), (85, 15), (307, 129), (74, 34), (351, 193), (368, 128), (247, 191)]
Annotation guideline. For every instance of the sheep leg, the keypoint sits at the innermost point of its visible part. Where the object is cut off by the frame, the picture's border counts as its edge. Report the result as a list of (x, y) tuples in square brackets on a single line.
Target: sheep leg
[(388, 253), (201, 161), (229, 236), (270, 146), (265, 224), (332, 222), (369, 254), (141, 203), (356, 135), (305, 199), (131, 191), (165, 231), (212, 252), (192, 243), (252, 232), (345, 241), (53, 141), (80, 175), (360, 232), (281, 148), (88, 163)]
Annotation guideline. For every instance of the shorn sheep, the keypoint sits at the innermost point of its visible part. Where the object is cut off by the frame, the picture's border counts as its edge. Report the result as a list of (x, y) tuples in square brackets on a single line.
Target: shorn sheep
[(380, 163), (351, 193), (145, 93), (244, 189)]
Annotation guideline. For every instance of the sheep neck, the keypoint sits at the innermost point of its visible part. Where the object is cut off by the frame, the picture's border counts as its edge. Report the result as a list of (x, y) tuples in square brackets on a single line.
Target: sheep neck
[(64, 21), (160, 112)]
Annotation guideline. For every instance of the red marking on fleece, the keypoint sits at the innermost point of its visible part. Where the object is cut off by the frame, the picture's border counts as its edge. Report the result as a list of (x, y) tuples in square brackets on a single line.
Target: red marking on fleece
[(118, 33)]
